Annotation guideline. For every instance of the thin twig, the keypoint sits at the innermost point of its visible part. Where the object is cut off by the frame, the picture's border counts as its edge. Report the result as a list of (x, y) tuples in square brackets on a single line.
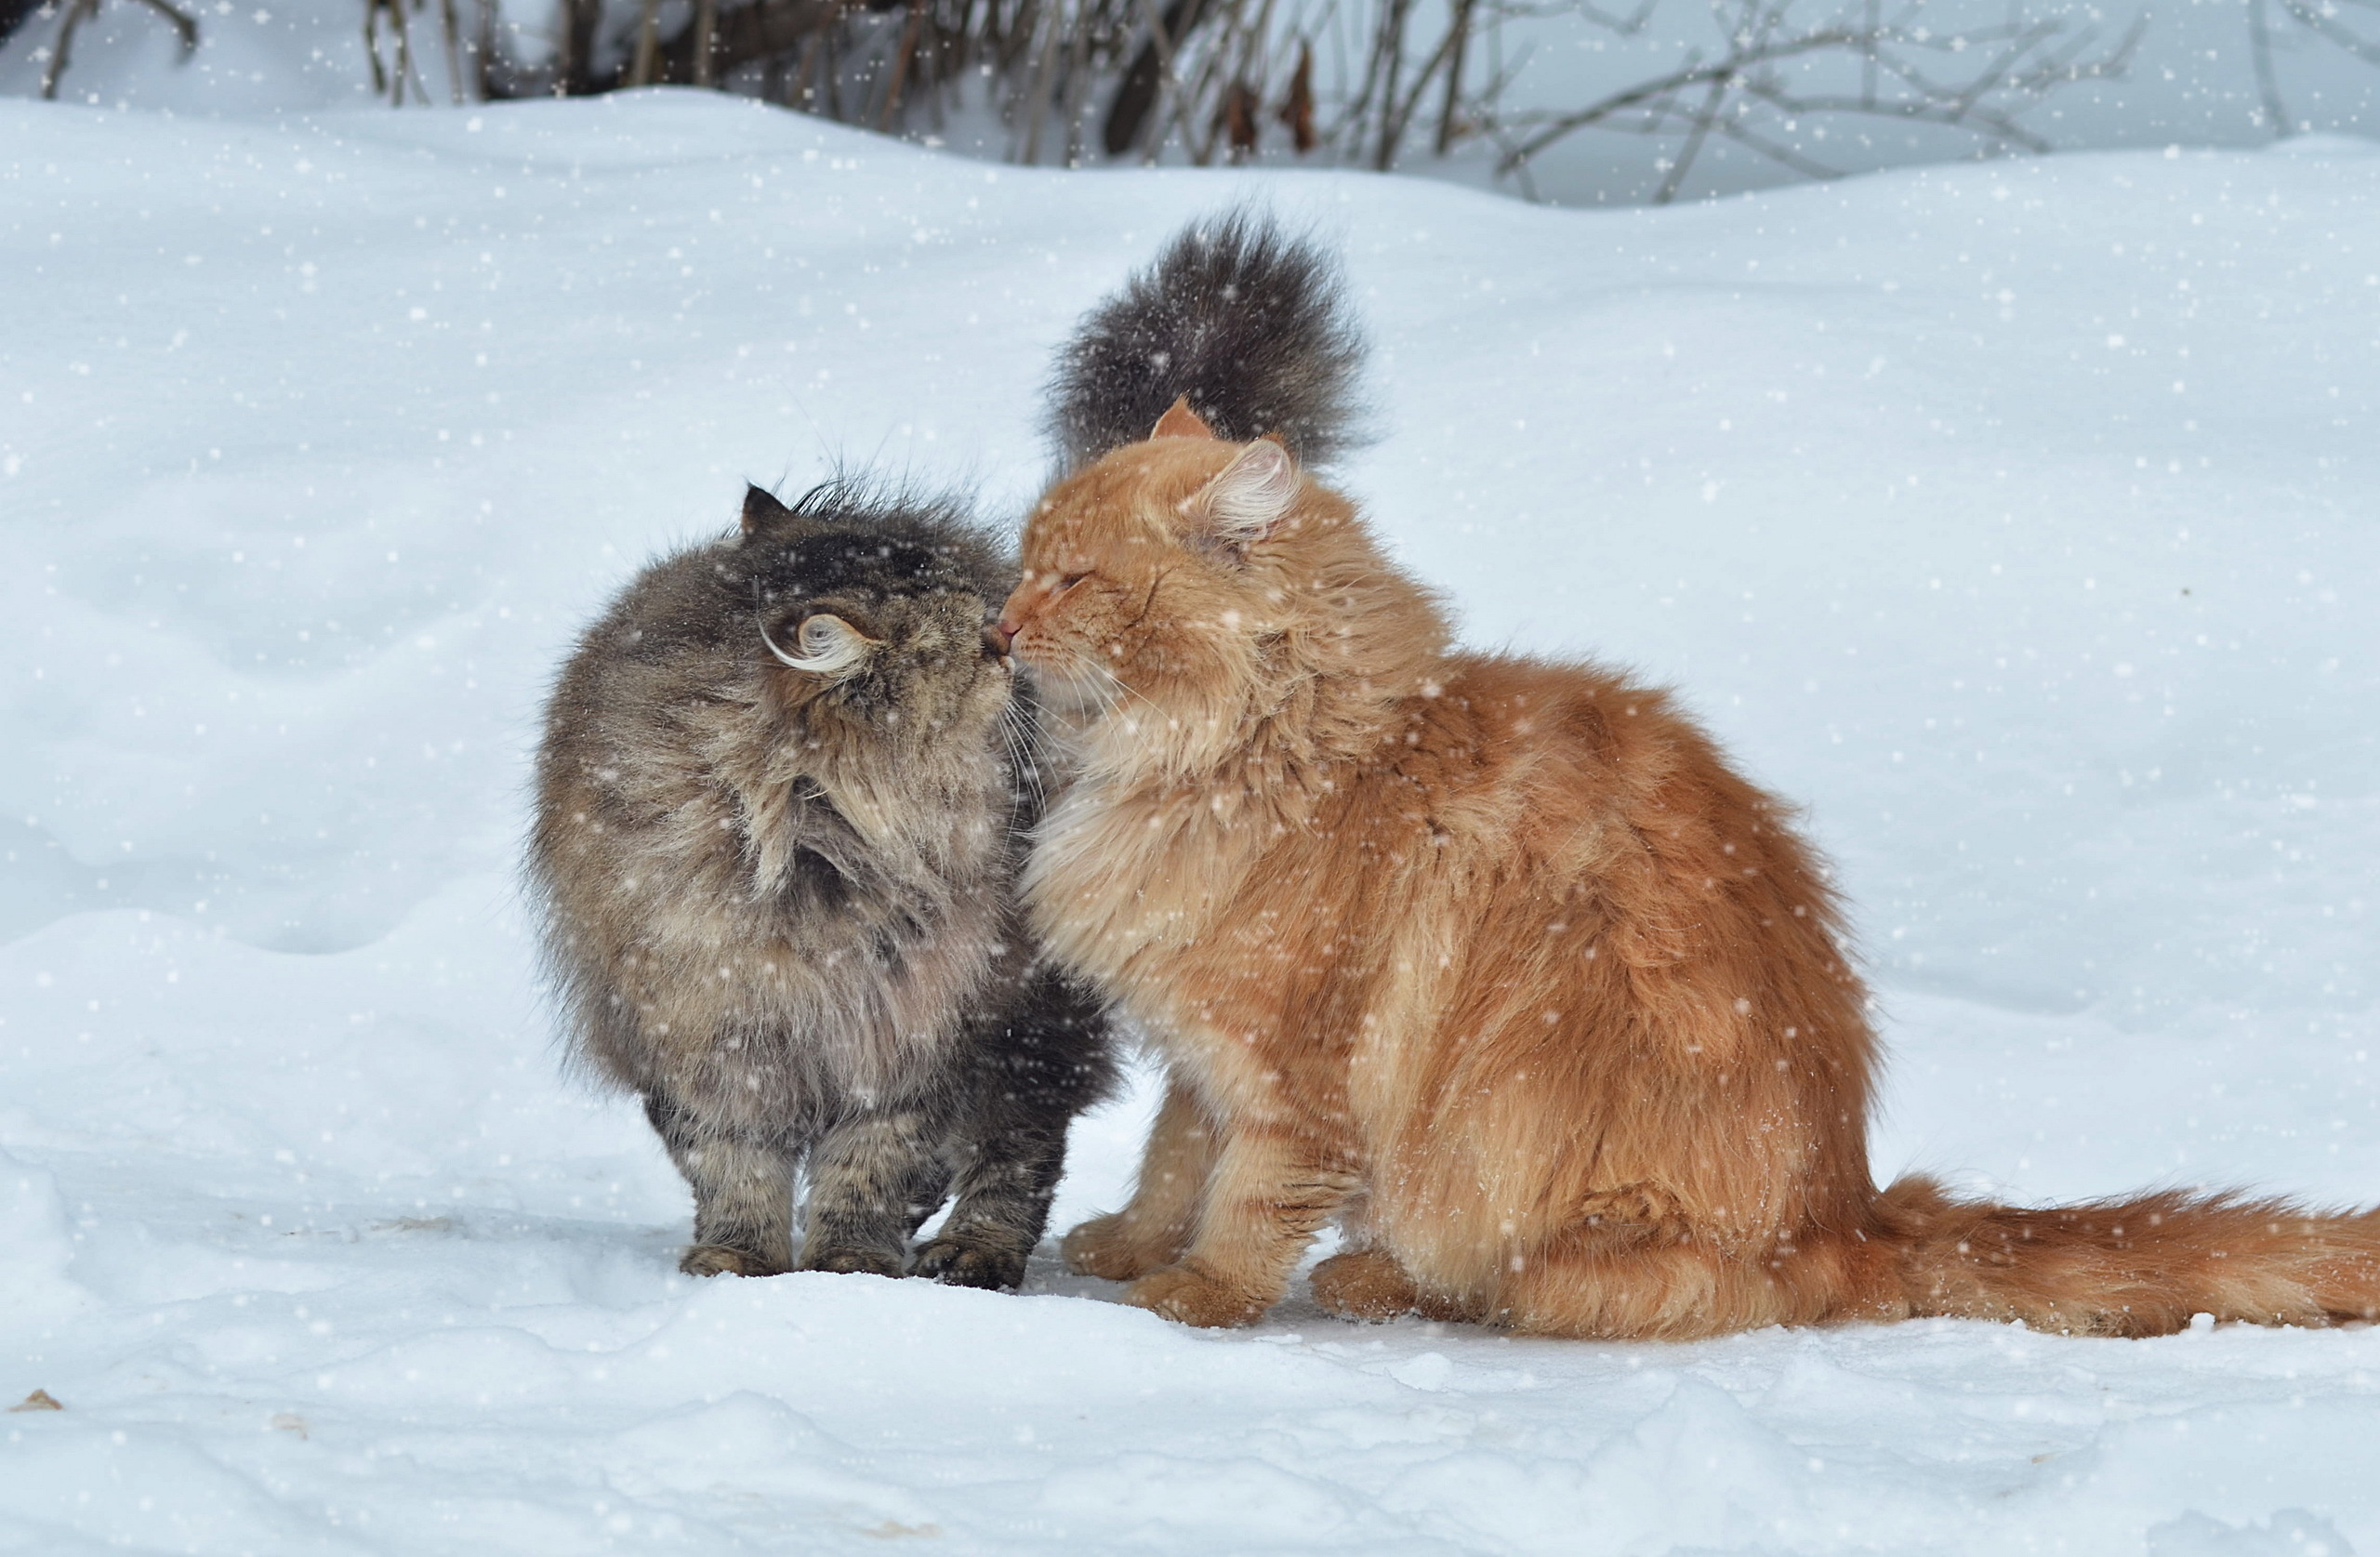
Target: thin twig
[(77, 12), (1702, 122)]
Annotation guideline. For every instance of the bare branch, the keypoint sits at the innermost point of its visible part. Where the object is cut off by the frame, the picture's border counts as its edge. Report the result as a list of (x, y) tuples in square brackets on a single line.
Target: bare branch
[(185, 28), (1974, 80), (2318, 20), (1714, 101), (1556, 126)]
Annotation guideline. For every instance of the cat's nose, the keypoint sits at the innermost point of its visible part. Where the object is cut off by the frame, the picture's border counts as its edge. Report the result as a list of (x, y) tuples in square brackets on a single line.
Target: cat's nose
[(997, 635)]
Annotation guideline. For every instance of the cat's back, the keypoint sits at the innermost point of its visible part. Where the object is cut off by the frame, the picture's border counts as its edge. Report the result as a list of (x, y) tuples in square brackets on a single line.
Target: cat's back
[(1546, 743), (668, 612), (614, 758), (1582, 770)]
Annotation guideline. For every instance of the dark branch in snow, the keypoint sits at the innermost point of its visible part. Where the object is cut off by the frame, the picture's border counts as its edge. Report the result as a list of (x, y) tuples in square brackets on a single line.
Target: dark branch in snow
[(79, 11), (2326, 20)]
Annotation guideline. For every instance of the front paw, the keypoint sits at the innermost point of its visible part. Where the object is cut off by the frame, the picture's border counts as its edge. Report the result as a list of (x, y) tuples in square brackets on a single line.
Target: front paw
[(725, 1260), (1188, 1295), (957, 1264), (851, 1262), (1107, 1248)]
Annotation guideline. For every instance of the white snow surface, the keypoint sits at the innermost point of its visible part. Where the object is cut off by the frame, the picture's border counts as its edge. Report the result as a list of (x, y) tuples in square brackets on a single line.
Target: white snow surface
[(2020, 520)]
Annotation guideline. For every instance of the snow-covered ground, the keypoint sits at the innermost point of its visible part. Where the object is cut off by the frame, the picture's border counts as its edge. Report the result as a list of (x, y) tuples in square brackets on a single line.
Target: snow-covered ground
[(2020, 518)]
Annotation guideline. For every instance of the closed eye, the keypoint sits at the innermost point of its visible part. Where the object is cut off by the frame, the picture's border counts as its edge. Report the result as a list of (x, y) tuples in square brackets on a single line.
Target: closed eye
[(1067, 581)]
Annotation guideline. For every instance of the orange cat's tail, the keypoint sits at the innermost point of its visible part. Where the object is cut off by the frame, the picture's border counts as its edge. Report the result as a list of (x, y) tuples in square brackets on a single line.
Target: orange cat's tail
[(2137, 1267)]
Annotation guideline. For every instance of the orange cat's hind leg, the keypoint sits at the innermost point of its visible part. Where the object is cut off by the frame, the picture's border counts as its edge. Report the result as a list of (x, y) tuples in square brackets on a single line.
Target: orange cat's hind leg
[(1683, 1284), (1369, 1285), (1366, 1284), (1639, 1212), (1155, 1228)]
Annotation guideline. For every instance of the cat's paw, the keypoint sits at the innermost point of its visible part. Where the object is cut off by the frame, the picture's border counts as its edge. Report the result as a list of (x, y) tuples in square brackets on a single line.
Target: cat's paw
[(1641, 1210), (725, 1260), (1107, 1248), (958, 1264), (1190, 1296), (1367, 1284), (852, 1262)]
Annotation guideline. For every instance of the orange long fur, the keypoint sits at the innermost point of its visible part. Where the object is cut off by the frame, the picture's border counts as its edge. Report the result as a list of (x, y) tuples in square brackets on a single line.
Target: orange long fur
[(1498, 964)]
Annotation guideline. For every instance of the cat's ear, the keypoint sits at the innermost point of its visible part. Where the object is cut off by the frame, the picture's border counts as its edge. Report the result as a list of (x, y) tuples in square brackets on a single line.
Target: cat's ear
[(829, 645), (760, 508), (1180, 421), (1249, 496)]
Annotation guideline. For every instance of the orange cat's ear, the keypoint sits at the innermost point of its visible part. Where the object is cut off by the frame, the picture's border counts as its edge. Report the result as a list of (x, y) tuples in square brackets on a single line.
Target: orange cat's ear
[(1180, 421), (1244, 503)]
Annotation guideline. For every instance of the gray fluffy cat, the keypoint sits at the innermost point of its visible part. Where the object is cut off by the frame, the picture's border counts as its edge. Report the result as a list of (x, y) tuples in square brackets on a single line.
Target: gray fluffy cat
[(780, 808)]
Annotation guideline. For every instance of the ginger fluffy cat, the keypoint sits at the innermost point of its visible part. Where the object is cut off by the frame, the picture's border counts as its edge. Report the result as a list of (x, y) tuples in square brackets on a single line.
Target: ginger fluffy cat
[(1494, 961)]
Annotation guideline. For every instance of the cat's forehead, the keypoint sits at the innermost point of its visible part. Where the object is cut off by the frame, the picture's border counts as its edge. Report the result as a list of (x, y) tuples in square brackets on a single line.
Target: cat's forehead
[(856, 560), (1127, 496)]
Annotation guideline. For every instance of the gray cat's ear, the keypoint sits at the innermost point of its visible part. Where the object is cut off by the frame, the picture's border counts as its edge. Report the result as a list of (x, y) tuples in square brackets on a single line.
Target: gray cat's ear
[(760, 508), (828, 645), (1248, 500)]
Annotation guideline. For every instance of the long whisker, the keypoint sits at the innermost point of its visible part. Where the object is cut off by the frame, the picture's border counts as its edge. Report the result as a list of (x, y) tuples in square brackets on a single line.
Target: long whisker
[(1035, 755), (1117, 683), (1027, 721), (1024, 752)]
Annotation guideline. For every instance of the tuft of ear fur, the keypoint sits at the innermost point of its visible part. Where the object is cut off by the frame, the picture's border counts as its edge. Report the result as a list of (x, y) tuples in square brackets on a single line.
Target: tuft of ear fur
[(1248, 325), (1250, 495), (1180, 421), (829, 645)]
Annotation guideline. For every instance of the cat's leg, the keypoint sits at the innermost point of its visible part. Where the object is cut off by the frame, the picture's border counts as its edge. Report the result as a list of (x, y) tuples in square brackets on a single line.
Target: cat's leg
[(1154, 1228), (1272, 1189), (1363, 1281), (1004, 1189), (875, 1174), (743, 1194), (1367, 1283), (1364, 1284), (1036, 1061)]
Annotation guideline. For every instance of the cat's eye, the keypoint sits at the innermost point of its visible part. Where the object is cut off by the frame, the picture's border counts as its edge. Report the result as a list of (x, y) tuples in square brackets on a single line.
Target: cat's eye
[(1067, 581)]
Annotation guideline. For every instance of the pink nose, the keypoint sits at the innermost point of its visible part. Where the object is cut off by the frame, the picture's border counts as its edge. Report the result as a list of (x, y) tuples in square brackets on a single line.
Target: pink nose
[(998, 636)]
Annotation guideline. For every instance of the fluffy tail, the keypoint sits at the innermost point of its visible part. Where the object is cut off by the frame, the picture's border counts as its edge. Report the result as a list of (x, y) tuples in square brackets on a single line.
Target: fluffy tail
[(1249, 323), (2139, 1267)]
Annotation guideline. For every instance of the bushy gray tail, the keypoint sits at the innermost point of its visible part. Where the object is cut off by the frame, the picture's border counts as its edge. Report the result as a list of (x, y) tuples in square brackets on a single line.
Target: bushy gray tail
[(1250, 325)]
